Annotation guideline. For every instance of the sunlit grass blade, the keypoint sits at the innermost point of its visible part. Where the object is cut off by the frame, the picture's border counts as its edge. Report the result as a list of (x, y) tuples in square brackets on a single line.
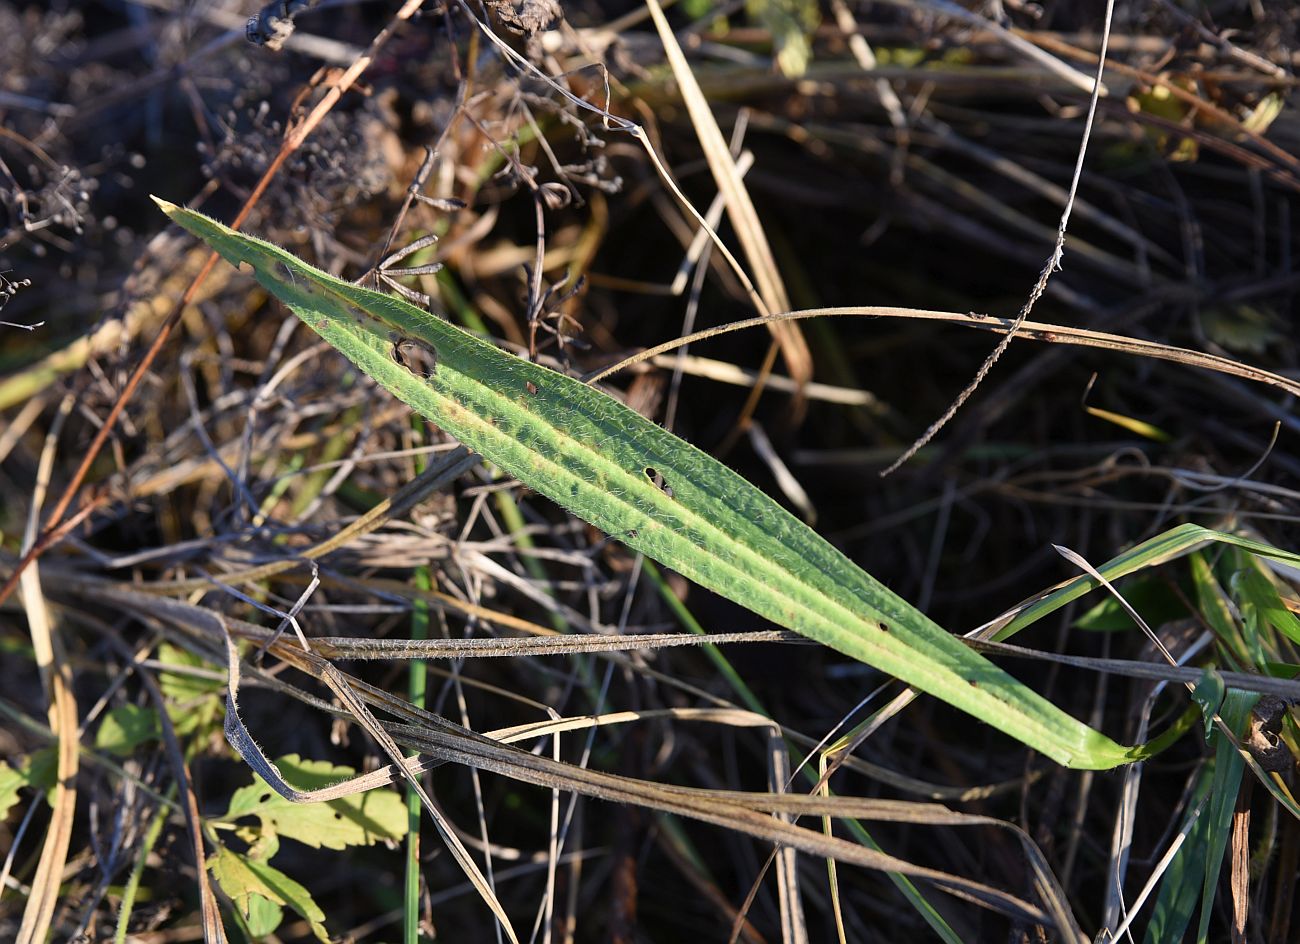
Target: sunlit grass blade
[(659, 495), (1172, 544)]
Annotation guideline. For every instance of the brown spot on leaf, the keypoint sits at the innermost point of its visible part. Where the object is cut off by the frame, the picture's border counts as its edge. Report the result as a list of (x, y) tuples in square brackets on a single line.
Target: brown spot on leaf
[(418, 357)]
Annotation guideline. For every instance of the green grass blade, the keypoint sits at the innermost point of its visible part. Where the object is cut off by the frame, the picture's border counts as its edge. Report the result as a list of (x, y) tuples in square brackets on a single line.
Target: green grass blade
[(1193, 874), (659, 495), (417, 687), (1172, 544), (1229, 768)]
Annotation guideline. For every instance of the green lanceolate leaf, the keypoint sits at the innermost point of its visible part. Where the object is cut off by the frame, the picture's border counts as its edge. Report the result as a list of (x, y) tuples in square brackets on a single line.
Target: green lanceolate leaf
[(644, 486)]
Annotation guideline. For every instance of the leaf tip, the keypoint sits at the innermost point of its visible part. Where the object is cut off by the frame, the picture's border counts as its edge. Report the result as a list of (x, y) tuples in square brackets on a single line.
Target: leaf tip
[(165, 205)]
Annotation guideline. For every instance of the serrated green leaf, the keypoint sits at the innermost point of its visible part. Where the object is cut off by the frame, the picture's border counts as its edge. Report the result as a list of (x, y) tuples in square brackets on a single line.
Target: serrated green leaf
[(259, 890), (125, 727), (649, 489), (262, 843), (358, 820), (261, 916)]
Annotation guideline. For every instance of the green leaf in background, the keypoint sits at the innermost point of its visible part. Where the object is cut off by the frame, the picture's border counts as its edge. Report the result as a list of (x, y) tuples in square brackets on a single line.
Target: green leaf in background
[(11, 781), (791, 23), (186, 686), (259, 890), (1282, 670), (37, 770), (646, 487), (1244, 329), (193, 702), (1208, 695), (1153, 597), (358, 820), (1159, 101), (1134, 425), (1263, 115), (1213, 605), (126, 727), (1258, 597)]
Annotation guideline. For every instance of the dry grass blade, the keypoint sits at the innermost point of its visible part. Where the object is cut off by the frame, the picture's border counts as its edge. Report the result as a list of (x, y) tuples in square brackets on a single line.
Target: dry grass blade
[(1245, 681), (139, 599), (728, 373), (1289, 164), (794, 924), (214, 932), (341, 647), (622, 124), (1239, 881), (56, 677), (740, 208), (748, 813), (1034, 330)]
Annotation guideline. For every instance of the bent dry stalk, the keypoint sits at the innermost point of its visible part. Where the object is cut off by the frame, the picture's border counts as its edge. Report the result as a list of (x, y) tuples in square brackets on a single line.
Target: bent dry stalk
[(651, 490)]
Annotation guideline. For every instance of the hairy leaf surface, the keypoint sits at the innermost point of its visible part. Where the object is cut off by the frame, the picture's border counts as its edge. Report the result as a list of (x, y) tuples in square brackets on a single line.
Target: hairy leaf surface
[(651, 490)]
